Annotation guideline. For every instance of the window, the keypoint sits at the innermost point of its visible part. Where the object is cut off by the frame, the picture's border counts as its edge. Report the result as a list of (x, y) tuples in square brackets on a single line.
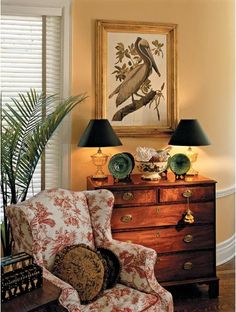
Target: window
[(33, 56)]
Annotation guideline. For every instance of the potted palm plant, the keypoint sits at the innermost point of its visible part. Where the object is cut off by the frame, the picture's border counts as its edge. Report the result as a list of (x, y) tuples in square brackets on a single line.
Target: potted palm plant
[(25, 131)]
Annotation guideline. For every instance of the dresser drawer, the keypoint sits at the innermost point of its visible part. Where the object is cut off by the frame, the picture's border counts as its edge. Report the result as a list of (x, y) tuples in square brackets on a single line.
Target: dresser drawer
[(169, 239), (134, 197), (177, 194), (135, 217), (149, 216), (151, 213), (183, 266)]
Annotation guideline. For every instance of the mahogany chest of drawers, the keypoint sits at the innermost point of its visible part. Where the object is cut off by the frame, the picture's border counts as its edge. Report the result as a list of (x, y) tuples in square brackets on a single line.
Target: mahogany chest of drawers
[(176, 218)]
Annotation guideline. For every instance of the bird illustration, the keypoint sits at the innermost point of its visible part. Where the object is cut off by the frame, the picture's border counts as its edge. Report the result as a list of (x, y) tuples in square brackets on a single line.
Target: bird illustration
[(136, 76)]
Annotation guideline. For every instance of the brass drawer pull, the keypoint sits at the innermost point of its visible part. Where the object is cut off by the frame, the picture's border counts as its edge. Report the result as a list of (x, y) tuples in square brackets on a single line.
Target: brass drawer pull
[(126, 218), (188, 266), (188, 238), (187, 193), (129, 241), (128, 196)]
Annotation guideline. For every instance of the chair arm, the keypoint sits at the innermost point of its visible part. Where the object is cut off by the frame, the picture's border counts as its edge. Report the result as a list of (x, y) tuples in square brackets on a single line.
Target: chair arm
[(137, 269), (69, 298)]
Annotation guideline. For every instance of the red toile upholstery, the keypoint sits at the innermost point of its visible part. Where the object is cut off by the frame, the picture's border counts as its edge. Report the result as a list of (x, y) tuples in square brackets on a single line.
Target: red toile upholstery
[(52, 219)]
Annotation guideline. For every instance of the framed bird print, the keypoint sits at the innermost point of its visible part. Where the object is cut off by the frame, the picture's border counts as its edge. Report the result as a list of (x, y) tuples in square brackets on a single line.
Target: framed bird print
[(136, 77)]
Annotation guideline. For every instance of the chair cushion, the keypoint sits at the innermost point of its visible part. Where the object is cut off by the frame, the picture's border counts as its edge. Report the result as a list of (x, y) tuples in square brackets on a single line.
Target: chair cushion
[(82, 268), (122, 298)]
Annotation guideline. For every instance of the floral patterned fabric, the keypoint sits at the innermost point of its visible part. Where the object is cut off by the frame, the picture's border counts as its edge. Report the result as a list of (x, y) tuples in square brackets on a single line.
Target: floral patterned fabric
[(56, 218)]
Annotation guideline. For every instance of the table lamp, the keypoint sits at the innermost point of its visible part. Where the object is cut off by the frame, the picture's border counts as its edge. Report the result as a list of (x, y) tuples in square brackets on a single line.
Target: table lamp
[(189, 133), (99, 133)]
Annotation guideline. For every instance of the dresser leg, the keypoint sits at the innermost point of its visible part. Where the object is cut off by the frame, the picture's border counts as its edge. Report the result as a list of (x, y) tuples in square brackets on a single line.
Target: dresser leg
[(213, 289)]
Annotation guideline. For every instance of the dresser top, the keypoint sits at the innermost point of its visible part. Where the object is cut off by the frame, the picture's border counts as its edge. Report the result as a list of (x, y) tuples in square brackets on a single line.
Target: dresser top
[(137, 181)]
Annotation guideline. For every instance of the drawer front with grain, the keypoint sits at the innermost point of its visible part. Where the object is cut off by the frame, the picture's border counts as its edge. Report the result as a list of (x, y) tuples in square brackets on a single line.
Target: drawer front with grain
[(165, 240), (135, 197), (184, 266), (161, 215), (179, 194)]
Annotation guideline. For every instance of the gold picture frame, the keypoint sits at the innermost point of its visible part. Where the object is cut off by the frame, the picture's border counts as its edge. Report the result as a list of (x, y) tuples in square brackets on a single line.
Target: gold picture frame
[(136, 77)]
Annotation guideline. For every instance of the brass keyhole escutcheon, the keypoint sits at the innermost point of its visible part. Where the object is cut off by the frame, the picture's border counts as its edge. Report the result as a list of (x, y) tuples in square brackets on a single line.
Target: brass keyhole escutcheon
[(188, 266), (126, 218), (158, 210), (128, 196), (188, 238), (158, 234), (187, 193)]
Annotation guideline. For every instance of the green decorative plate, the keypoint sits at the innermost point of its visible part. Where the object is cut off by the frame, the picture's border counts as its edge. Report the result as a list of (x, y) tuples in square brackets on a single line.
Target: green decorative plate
[(120, 165), (179, 164), (132, 159)]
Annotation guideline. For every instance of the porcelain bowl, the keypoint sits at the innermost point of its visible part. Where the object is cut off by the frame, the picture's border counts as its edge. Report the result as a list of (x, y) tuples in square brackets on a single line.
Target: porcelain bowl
[(151, 170)]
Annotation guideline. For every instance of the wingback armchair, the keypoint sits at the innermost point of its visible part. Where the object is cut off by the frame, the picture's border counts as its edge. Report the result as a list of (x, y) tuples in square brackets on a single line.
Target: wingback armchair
[(45, 223)]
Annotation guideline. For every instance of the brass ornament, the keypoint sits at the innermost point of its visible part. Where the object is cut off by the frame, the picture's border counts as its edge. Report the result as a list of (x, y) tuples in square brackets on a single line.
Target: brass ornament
[(188, 217), (126, 218), (187, 193), (188, 238), (128, 196), (188, 266)]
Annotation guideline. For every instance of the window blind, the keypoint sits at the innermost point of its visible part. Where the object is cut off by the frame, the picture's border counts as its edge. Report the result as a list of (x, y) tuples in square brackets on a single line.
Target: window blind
[(31, 58)]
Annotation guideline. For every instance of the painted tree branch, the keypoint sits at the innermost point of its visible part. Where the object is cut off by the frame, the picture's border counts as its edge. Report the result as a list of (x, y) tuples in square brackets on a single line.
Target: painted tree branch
[(132, 107)]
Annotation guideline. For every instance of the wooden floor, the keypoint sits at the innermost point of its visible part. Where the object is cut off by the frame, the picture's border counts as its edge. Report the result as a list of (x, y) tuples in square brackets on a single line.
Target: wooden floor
[(195, 298)]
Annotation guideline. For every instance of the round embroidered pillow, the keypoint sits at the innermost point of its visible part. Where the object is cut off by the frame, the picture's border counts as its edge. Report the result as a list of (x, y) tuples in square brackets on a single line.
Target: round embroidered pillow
[(82, 268), (113, 266)]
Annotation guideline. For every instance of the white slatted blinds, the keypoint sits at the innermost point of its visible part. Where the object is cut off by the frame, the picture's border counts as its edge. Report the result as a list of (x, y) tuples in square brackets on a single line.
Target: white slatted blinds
[(31, 59)]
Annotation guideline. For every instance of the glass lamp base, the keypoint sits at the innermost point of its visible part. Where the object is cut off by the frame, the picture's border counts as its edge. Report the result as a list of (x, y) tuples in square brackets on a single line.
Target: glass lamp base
[(99, 160), (99, 175), (193, 158), (192, 172)]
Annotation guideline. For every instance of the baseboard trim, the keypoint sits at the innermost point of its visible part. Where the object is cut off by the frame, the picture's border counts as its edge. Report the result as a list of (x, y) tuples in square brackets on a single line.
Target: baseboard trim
[(225, 192), (225, 250)]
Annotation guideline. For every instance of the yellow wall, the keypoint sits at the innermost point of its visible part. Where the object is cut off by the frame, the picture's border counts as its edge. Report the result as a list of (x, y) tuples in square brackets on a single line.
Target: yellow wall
[(205, 82)]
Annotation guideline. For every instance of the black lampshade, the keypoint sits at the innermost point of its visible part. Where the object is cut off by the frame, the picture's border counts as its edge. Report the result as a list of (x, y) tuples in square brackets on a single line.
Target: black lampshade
[(189, 133), (99, 133)]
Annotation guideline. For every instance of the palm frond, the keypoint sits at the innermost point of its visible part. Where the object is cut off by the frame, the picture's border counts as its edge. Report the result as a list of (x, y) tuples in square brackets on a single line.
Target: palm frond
[(25, 134)]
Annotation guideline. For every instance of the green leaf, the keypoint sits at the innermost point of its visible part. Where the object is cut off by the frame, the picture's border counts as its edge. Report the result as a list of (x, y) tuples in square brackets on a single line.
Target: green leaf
[(24, 136)]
